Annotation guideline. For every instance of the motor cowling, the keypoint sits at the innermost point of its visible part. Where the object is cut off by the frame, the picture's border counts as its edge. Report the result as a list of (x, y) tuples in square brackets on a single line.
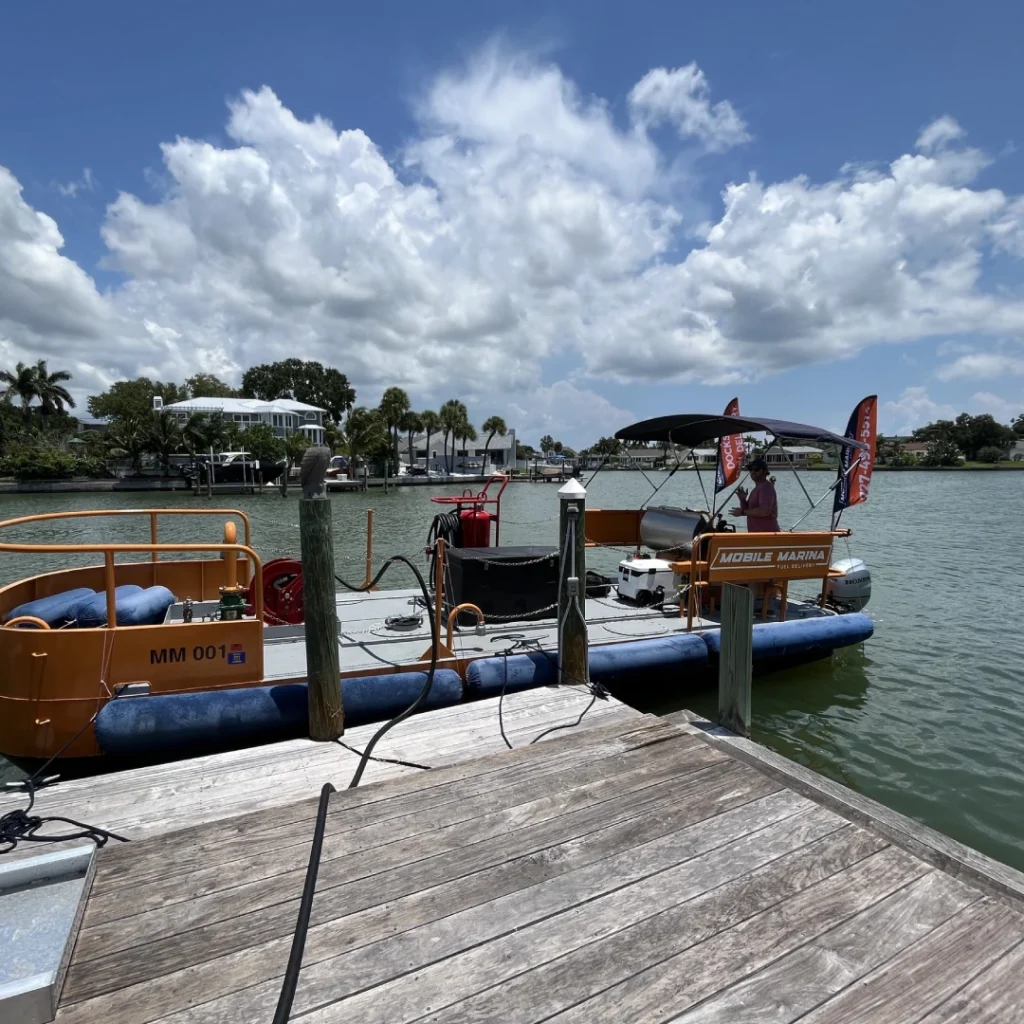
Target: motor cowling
[(851, 591)]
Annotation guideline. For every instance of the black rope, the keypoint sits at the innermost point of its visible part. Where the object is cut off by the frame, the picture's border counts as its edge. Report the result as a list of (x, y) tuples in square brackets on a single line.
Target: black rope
[(21, 826), (385, 760), (523, 643)]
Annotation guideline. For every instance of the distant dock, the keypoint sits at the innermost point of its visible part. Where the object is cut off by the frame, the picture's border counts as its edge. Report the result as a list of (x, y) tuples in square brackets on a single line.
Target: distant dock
[(628, 869)]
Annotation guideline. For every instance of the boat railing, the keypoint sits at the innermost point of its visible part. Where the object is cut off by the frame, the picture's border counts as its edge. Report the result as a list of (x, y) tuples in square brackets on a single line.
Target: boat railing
[(152, 513), (227, 549)]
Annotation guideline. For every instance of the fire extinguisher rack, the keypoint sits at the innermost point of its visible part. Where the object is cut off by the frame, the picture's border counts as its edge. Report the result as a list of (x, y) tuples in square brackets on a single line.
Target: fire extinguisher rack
[(469, 500)]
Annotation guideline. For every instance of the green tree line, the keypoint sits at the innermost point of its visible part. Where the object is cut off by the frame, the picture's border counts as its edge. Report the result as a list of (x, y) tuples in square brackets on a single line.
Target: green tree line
[(38, 435)]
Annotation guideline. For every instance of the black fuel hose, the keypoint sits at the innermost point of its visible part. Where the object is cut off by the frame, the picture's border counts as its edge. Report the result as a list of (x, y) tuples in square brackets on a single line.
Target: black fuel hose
[(291, 977)]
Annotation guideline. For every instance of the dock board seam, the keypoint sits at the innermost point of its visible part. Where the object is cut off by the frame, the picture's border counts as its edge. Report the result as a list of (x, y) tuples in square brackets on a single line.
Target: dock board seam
[(941, 851)]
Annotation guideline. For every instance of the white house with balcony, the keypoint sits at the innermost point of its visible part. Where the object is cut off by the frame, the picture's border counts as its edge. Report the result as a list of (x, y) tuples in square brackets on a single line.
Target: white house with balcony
[(284, 416)]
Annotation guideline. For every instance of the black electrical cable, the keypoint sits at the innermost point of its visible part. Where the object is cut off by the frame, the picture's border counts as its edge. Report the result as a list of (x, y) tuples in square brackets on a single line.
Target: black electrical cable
[(434, 641), (291, 978)]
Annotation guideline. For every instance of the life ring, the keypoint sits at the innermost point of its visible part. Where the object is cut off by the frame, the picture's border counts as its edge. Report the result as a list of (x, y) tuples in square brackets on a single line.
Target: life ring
[(27, 620)]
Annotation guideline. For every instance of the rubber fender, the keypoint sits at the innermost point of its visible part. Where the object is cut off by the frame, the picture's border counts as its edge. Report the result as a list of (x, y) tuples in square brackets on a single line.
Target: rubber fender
[(801, 636), (218, 719), (609, 663), (54, 610), (135, 607)]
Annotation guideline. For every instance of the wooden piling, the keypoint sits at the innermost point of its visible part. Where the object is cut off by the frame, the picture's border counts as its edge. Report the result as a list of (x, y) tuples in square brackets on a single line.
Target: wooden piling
[(573, 666), (735, 659), (326, 716)]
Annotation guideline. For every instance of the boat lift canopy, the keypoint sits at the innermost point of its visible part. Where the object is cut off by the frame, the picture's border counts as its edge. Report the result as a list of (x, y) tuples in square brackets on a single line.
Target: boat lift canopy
[(692, 429)]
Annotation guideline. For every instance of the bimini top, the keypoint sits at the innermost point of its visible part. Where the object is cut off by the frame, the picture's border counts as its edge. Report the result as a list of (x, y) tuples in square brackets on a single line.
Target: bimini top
[(691, 429)]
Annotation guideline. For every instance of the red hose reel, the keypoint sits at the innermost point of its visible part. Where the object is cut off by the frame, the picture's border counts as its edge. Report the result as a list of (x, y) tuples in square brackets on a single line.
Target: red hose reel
[(282, 593)]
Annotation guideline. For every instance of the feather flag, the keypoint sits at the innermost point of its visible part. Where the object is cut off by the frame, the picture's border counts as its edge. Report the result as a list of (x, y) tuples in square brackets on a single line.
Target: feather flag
[(730, 453), (855, 465)]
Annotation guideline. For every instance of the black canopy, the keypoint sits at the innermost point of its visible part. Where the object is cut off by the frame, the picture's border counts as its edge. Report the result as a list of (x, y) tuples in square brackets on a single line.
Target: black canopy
[(691, 429)]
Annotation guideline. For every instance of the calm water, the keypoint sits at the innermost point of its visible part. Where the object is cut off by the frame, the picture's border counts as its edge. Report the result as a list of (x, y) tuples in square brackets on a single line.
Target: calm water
[(928, 717)]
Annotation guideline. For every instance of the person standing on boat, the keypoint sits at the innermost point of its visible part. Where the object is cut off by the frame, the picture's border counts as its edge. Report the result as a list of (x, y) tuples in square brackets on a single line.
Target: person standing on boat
[(761, 507)]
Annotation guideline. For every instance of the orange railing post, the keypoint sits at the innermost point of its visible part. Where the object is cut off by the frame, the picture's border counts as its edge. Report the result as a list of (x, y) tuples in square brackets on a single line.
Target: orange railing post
[(369, 547), (153, 534), (108, 585), (231, 559)]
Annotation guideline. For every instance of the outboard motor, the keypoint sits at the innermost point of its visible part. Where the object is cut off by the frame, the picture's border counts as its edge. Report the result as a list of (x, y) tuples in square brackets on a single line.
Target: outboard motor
[(851, 591)]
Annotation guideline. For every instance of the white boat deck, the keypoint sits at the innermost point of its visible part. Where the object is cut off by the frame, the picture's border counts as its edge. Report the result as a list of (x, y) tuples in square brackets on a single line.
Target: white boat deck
[(367, 642)]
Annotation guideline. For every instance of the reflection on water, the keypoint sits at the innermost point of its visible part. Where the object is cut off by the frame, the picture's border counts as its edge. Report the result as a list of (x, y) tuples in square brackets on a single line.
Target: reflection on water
[(927, 717)]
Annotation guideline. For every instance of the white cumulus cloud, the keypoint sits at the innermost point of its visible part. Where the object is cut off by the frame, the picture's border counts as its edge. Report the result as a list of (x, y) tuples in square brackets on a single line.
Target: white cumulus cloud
[(939, 133), (682, 97), (914, 408), (521, 220), (977, 365)]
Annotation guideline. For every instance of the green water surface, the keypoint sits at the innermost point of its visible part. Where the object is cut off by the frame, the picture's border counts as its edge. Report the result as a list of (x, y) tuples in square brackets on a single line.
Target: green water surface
[(927, 717)]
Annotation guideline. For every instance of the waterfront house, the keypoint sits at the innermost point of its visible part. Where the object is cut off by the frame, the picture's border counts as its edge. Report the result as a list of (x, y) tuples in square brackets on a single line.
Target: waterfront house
[(499, 456), (915, 449), (284, 416), (797, 455)]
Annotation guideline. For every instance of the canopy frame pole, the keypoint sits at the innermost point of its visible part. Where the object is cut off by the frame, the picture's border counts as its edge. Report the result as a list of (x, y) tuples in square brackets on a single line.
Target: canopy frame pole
[(665, 481), (835, 483), (798, 480)]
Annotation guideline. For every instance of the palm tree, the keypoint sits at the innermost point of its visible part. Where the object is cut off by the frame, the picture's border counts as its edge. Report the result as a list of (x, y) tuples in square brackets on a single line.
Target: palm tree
[(453, 415), (193, 433), (166, 439), (215, 431), (394, 404), (412, 423), (25, 384), (467, 433), (493, 425), (51, 391), (130, 437), (364, 430), (431, 425)]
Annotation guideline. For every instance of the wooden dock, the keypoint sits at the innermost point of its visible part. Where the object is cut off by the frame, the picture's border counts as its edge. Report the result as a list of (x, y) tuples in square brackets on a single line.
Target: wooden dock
[(628, 869)]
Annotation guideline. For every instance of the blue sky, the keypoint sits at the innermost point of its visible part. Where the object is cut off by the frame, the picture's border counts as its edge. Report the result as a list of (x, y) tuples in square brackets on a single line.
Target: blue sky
[(536, 218)]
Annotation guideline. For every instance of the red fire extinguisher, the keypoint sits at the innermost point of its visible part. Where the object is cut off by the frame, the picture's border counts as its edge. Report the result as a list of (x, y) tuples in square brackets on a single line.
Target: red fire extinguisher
[(476, 528)]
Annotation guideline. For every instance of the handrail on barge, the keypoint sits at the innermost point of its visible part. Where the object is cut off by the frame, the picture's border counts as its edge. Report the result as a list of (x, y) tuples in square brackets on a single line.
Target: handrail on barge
[(153, 514), (109, 551)]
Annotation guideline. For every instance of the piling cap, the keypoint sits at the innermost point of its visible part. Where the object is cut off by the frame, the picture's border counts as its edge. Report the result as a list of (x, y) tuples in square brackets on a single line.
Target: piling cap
[(572, 490)]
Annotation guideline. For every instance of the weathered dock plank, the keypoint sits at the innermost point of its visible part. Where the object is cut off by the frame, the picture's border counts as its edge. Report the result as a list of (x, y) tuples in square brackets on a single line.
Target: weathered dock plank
[(183, 794), (633, 869)]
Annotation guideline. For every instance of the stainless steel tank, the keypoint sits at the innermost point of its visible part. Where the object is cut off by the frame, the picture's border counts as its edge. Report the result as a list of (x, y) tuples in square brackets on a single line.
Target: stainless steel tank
[(665, 528)]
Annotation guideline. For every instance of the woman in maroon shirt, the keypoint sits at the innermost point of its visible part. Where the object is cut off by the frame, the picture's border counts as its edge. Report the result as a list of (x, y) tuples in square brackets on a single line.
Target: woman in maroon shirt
[(762, 507)]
